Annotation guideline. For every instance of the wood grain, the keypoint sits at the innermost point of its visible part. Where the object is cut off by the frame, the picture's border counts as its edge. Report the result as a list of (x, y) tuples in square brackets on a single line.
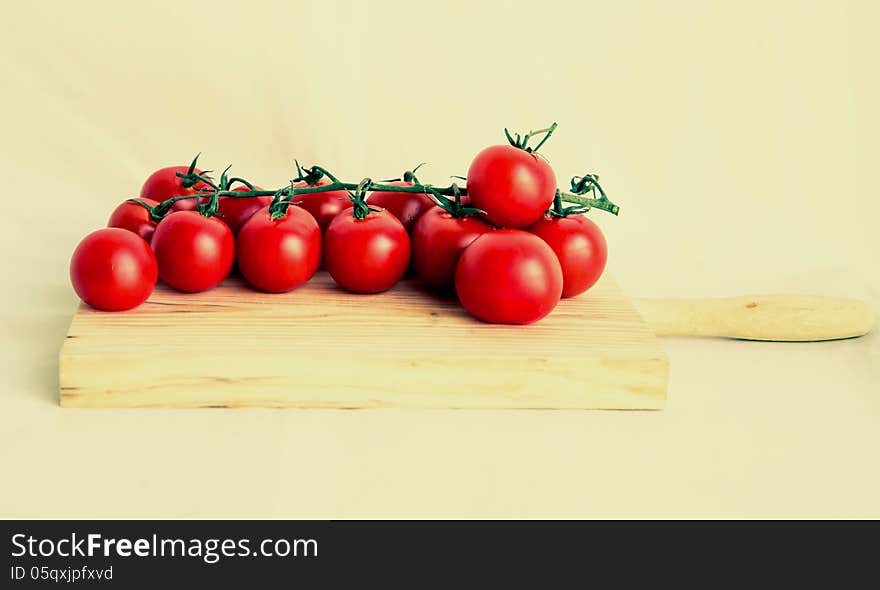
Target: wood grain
[(320, 347), (777, 318)]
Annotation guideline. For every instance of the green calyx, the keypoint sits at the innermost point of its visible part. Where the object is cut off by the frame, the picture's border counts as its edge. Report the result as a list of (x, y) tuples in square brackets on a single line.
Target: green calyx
[(311, 176), (191, 178), (158, 212), (224, 179), (453, 206), (278, 206), (522, 142), (407, 176), (188, 178), (360, 208), (410, 175), (226, 182), (210, 207)]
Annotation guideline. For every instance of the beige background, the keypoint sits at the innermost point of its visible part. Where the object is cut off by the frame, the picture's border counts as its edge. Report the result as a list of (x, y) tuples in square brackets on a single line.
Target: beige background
[(740, 138)]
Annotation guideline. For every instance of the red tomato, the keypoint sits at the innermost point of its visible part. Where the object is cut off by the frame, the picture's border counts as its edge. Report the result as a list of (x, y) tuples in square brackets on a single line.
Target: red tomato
[(323, 206), (235, 211), (194, 252), (164, 184), (113, 269), (438, 240), (513, 186), (366, 255), (580, 247), (281, 254), (188, 204), (134, 218), (407, 207), (508, 277)]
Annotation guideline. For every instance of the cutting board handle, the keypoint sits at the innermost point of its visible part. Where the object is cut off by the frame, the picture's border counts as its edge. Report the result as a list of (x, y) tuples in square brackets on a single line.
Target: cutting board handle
[(789, 318)]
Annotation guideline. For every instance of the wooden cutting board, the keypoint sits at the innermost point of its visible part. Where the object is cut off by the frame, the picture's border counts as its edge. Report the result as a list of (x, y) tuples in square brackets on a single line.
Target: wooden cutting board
[(321, 347)]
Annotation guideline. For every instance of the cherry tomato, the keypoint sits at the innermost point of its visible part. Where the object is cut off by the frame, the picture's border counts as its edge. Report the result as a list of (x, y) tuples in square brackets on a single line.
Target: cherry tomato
[(278, 255), (514, 187), (508, 276), (235, 211), (580, 247), (194, 252), (438, 240), (113, 269), (164, 184), (188, 204), (407, 207), (366, 255), (135, 218), (323, 206)]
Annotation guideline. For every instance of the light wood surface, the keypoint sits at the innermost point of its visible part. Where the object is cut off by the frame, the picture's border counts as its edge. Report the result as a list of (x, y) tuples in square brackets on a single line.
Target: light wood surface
[(321, 347), (789, 318)]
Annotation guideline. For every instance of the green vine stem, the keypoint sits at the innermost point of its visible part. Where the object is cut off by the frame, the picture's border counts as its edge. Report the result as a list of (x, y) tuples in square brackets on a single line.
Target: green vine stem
[(588, 183), (559, 210), (591, 203), (454, 206), (190, 178), (585, 192), (410, 175), (522, 142), (359, 197), (286, 195)]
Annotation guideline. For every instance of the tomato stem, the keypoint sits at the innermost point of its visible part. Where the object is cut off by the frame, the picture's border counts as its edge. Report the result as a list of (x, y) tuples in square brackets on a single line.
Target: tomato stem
[(361, 209), (286, 195), (557, 210), (454, 207), (580, 186), (235, 179), (188, 179), (410, 175), (191, 178), (283, 197), (161, 210), (547, 133), (210, 208), (141, 203), (522, 142), (321, 172), (590, 203), (203, 177)]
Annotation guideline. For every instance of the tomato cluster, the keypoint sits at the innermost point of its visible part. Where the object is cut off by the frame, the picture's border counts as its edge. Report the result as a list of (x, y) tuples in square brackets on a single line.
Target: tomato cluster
[(507, 247)]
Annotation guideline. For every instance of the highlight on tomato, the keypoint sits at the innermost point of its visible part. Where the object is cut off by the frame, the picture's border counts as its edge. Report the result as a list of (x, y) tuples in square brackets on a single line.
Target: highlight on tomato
[(113, 269), (278, 248), (440, 236), (194, 251), (578, 243), (512, 183), (366, 250), (508, 276)]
